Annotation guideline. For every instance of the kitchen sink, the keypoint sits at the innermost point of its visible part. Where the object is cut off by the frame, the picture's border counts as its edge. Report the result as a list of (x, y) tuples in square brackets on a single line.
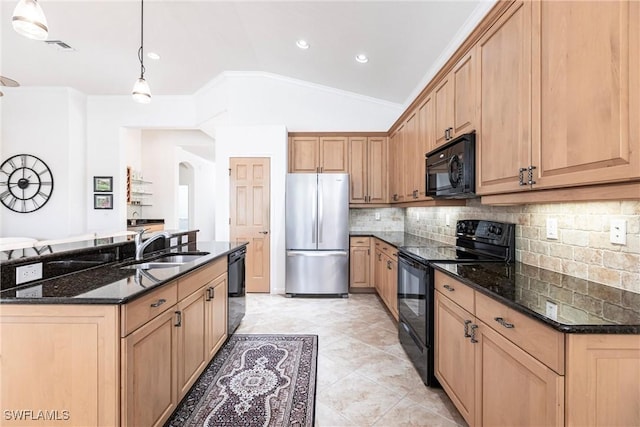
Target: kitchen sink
[(167, 261)]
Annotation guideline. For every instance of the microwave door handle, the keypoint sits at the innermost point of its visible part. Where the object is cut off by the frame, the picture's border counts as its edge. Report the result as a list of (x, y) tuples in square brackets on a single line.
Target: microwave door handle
[(320, 211)]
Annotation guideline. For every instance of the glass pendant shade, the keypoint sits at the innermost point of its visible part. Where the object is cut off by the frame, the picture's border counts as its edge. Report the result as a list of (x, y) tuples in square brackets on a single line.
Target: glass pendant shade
[(29, 20), (141, 92)]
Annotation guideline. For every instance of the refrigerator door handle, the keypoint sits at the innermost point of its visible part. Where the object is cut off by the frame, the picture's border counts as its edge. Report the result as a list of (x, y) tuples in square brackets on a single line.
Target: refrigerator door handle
[(320, 209), (318, 253), (314, 217)]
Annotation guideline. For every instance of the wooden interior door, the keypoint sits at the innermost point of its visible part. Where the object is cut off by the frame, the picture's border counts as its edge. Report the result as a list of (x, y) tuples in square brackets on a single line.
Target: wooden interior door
[(249, 216)]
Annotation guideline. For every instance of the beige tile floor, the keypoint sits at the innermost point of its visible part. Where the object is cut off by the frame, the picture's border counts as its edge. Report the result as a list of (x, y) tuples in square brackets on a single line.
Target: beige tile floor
[(364, 377)]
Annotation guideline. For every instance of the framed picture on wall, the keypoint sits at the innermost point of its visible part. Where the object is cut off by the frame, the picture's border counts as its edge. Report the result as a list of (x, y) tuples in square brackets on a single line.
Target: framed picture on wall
[(102, 184), (103, 201)]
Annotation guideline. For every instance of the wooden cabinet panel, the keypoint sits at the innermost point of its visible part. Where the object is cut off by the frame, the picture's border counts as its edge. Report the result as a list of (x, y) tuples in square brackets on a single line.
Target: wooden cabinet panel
[(456, 291), (149, 372), (412, 160), (378, 175), (359, 267), (358, 169), (368, 170), (443, 99), (542, 342), (334, 154), (392, 286), (63, 358), (515, 388), (304, 154), (602, 380), (141, 310), (378, 273), (192, 340), (586, 92), (465, 106), (455, 355), (426, 139), (396, 160), (504, 89), (216, 315)]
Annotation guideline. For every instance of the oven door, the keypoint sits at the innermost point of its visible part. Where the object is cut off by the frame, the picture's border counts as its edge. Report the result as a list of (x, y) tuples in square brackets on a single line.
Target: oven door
[(413, 296)]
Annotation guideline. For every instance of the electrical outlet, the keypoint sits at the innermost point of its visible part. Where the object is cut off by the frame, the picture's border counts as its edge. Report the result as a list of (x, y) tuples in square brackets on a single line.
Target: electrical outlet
[(552, 228), (30, 292), (618, 231), (447, 220), (28, 273), (552, 310), (377, 216)]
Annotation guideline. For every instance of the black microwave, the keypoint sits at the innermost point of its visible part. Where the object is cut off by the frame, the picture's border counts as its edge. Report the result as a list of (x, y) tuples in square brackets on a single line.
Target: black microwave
[(451, 168)]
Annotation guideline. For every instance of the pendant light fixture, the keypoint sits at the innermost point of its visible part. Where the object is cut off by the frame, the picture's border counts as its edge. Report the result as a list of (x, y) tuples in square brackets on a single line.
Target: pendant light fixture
[(29, 20), (141, 92)]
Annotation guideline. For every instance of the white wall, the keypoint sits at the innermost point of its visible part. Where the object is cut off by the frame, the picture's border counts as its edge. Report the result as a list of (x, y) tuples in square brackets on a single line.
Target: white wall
[(48, 123), (162, 153), (255, 141)]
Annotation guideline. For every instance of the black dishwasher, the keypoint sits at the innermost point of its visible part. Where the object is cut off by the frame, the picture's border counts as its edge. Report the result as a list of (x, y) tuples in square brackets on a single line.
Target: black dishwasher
[(236, 281)]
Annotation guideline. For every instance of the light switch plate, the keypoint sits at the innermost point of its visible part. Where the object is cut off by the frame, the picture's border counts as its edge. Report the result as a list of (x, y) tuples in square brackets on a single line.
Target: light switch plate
[(447, 220), (552, 310), (377, 216), (552, 228), (618, 231)]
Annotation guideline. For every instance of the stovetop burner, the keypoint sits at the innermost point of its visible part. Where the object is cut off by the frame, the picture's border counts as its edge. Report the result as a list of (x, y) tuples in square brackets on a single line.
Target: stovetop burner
[(476, 241)]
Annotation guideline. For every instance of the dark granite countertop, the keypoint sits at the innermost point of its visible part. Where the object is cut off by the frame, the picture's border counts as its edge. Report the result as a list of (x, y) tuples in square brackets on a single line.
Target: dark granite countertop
[(109, 283), (398, 238), (582, 306)]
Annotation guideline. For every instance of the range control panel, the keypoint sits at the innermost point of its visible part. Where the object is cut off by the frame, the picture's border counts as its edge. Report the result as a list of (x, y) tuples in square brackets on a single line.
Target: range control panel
[(497, 233)]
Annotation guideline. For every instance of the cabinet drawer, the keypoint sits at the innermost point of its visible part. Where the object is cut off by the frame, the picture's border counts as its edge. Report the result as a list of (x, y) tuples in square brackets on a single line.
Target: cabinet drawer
[(387, 249), (140, 311), (359, 241), (537, 339), (458, 292), (196, 279)]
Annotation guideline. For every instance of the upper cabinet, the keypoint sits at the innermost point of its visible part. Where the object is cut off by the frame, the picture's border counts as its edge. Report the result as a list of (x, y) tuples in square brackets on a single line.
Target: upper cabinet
[(559, 91), (455, 101), (368, 171), (396, 166), (318, 154)]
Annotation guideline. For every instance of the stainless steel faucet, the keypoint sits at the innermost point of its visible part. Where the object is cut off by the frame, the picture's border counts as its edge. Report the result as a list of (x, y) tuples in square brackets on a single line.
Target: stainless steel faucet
[(141, 246)]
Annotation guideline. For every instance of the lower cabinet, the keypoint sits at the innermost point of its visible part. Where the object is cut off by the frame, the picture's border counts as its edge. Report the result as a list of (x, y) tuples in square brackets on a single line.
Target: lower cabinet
[(501, 368), (216, 315), (149, 372), (385, 278), (360, 263)]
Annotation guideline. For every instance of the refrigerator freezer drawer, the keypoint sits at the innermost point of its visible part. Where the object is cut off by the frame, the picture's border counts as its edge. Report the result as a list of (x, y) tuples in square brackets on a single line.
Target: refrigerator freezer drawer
[(317, 273)]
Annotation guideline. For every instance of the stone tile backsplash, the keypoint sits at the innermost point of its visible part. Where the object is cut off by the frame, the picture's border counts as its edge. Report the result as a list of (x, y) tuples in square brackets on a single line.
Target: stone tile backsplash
[(583, 248), (380, 219)]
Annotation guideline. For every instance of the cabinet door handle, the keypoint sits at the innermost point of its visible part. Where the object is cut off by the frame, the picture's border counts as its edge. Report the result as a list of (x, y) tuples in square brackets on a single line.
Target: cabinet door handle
[(449, 288), (466, 328), (379, 257), (415, 194), (521, 172), (473, 333), (158, 303), (504, 323), (389, 265), (263, 232), (209, 294), (178, 319)]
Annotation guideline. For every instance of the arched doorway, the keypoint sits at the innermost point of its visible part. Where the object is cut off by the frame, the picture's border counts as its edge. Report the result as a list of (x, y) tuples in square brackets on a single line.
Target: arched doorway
[(185, 196)]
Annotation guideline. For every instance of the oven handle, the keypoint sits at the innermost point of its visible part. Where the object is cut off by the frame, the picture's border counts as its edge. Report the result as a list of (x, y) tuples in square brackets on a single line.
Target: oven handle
[(411, 263), (413, 337)]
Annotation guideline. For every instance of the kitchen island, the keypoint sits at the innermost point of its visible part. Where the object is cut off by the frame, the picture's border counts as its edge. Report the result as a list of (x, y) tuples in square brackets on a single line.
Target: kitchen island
[(111, 345)]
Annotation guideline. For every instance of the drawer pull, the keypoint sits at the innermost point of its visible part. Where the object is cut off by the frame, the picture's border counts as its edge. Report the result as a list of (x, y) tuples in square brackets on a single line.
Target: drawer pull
[(449, 288), (504, 323), (210, 294), (158, 303), (466, 328), (178, 319), (473, 333)]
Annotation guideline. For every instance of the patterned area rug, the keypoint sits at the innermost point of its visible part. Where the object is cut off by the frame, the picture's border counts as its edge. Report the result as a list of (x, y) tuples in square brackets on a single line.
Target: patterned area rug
[(255, 380)]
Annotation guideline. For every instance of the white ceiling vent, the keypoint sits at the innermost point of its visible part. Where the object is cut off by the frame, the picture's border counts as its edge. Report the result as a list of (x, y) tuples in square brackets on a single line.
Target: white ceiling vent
[(60, 45)]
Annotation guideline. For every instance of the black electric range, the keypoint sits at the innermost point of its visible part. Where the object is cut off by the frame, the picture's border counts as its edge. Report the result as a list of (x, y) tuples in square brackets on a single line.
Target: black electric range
[(477, 241)]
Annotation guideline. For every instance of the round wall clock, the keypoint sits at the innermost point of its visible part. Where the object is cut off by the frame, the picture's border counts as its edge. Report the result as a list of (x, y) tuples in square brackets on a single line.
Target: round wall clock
[(26, 183)]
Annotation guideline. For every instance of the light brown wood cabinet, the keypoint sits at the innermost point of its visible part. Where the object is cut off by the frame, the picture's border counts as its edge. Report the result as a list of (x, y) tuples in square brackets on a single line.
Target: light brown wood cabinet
[(368, 170), (455, 101), (386, 275), (114, 365), (489, 357), (560, 102), (318, 154), (360, 262), (413, 163), (396, 166)]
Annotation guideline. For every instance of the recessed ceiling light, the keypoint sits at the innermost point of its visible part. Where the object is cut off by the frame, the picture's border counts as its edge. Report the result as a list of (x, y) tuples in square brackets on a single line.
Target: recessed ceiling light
[(302, 44), (153, 55), (362, 58)]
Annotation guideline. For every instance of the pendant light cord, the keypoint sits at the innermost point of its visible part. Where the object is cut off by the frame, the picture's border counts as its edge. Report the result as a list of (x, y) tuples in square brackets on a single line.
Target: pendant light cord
[(140, 53)]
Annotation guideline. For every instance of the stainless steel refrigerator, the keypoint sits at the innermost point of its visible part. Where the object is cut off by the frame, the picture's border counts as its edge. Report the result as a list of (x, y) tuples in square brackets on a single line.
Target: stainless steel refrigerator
[(317, 234)]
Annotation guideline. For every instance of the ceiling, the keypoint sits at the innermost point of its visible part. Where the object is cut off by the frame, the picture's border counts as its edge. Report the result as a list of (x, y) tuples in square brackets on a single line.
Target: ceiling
[(198, 40)]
